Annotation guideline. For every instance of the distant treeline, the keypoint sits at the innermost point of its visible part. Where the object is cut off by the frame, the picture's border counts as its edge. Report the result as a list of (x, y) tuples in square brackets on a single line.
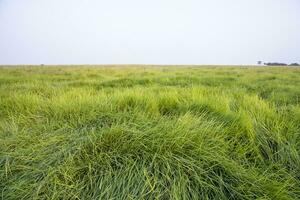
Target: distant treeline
[(281, 64)]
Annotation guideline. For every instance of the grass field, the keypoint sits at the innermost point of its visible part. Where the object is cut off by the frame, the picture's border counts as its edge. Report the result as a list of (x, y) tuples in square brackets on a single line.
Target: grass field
[(149, 132)]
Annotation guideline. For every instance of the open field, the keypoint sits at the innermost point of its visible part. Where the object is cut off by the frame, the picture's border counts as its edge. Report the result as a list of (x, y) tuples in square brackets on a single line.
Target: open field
[(149, 133)]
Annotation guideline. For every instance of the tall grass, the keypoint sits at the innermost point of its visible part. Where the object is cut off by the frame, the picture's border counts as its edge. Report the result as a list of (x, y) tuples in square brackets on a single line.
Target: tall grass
[(149, 133)]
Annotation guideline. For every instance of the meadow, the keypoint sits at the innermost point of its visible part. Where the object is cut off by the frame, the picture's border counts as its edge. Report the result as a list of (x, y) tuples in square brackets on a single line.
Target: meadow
[(149, 132)]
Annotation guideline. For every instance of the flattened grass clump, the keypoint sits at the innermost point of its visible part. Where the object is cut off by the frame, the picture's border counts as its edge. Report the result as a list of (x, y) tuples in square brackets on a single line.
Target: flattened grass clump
[(149, 133)]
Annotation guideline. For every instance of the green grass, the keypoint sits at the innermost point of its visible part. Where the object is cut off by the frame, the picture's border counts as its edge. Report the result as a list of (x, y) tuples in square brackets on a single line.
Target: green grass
[(149, 132)]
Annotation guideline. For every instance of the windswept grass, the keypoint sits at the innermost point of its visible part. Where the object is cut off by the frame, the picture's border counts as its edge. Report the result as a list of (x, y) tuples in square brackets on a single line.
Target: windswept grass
[(149, 133)]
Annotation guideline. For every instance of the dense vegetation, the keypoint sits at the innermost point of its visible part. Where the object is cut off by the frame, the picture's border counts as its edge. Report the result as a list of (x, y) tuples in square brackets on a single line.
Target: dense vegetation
[(149, 132), (278, 64)]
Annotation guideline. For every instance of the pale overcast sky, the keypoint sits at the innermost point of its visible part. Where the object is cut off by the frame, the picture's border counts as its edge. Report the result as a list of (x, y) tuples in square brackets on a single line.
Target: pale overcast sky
[(149, 32)]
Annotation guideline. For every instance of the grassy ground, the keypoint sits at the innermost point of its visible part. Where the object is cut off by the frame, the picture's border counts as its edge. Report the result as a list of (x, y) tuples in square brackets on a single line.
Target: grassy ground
[(149, 133)]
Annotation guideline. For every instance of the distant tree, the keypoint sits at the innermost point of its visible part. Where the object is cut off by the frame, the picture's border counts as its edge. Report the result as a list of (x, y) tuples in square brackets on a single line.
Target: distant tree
[(275, 64), (259, 62), (294, 64)]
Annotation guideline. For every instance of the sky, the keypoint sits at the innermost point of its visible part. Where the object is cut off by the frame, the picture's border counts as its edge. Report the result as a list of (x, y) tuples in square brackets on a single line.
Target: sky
[(149, 32)]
